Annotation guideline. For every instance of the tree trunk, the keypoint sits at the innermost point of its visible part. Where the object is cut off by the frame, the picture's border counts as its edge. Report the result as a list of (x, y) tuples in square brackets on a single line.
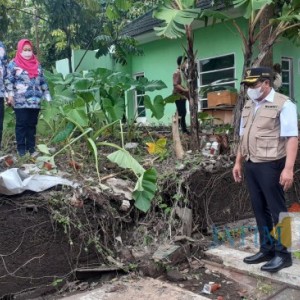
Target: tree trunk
[(193, 92), (69, 50), (267, 15), (179, 152), (37, 41)]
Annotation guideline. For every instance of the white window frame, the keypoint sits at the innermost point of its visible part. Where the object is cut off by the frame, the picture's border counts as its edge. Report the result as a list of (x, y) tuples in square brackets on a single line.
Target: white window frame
[(290, 71), (201, 100), (142, 119)]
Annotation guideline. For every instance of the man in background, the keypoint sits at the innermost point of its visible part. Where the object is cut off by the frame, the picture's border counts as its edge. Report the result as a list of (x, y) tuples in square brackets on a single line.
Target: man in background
[(180, 88)]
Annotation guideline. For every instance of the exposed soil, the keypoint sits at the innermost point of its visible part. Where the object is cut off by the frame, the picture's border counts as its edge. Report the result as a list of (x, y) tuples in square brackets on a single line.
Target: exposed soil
[(38, 246), (44, 237), (196, 277)]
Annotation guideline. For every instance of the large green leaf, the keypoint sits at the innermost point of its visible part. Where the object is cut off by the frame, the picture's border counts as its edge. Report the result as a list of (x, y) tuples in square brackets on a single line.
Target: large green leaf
[(123, 4), (175, 20), (49, 117), (249, 6), (149, 86), (99, 74), (83, 84), (63, 94), (64, 134), (44, 149), (295, 4), (125, 160), (124, 81), (145, 190), (111, 12), (157, 107), (115, 110), (94, 149), (213, 15), (171, 98), (78, 116)]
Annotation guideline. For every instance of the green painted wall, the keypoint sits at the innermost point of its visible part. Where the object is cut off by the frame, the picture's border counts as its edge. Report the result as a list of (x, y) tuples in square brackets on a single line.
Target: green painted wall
[(62, 66), (284, 48), (89, 62), (159, 59)]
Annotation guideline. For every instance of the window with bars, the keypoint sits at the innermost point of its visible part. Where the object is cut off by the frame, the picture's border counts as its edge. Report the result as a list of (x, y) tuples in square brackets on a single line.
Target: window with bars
[(287, 87), (139, 99), (220, 68)]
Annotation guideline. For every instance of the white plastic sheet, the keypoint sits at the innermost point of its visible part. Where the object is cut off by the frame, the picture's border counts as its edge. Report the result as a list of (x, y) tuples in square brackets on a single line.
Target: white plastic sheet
[(15, 181)]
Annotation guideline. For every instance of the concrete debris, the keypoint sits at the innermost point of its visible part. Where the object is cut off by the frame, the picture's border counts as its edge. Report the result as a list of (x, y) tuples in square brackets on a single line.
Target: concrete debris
[(121, 187), (131, 145), (175, 276), (213, 164), (164, 252)]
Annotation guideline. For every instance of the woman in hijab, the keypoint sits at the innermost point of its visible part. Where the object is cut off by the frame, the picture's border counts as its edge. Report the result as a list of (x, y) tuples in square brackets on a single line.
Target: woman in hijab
[(26, 86)]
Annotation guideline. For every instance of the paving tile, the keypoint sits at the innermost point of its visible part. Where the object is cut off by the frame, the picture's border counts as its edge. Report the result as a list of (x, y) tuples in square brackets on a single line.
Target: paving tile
[(144, 288), (288, 294), (234, 258)]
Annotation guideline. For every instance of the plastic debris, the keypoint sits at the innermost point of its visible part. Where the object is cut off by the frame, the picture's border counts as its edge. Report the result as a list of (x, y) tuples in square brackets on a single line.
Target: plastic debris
[(15, 181), (210, 288)]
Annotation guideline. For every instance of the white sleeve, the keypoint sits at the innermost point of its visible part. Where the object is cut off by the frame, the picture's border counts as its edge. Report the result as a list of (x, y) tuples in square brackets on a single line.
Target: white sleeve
[(288, 120), (241, 127)]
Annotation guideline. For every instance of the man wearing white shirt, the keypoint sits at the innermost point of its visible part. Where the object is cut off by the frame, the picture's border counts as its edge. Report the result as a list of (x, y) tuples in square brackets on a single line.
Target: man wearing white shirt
[(268, 147)]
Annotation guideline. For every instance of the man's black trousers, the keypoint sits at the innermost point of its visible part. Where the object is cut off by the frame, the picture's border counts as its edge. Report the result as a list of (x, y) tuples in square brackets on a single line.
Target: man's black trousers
[(181, 109), (267, 198)]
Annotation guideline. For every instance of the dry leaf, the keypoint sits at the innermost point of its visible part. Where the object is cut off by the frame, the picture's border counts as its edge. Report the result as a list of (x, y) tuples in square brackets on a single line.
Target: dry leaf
[(159, 147), (74, 165), (8, 161), (48, 166)]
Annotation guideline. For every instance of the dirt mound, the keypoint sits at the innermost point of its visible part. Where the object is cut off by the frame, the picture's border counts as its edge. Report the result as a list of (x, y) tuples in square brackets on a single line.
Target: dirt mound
[(43, 239), (216, 199)]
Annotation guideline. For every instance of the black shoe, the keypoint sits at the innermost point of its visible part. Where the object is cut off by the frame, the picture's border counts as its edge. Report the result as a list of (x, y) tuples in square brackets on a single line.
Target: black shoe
[(257, 258), (276, 264)]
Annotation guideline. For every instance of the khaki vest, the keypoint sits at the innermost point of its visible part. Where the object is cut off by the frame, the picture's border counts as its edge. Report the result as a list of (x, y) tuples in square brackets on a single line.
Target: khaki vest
[(261, 139)]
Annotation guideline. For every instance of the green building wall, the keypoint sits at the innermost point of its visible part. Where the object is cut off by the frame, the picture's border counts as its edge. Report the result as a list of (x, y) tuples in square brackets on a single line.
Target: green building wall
[(159, 60), (89, 62)]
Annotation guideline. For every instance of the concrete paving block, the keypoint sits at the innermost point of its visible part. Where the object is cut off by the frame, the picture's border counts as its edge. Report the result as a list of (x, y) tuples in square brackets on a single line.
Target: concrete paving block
[(144, 288), (234, 259), (290, 294)]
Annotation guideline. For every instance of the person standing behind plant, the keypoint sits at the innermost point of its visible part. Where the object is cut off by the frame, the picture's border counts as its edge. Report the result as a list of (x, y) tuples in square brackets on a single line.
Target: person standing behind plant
[(277, 83), (180, 88), (3, 65), (26, 87)]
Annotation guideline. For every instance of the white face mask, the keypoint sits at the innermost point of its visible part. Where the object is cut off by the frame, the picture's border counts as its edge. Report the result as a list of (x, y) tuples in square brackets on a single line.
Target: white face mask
[(26, 54), (254, 94)]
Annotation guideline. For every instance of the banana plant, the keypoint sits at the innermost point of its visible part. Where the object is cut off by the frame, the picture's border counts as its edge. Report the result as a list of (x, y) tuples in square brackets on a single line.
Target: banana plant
[(157, 106), (145, 186), (285, 23), (177, 17)]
